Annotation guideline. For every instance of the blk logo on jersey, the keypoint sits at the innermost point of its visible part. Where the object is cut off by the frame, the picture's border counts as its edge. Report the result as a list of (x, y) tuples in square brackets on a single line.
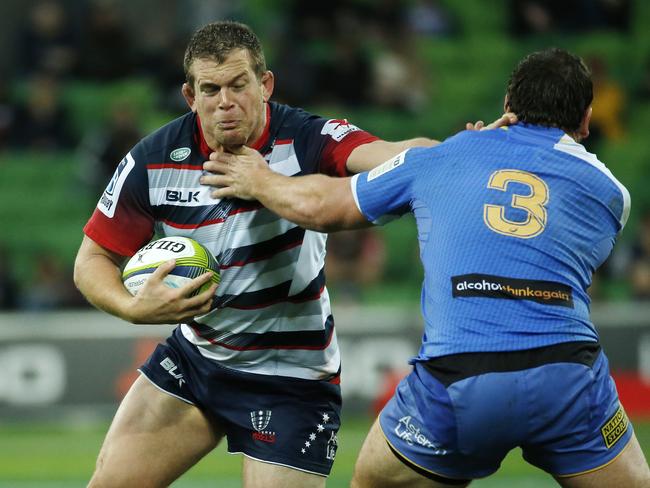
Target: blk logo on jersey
[(182, 196), (108, 200), (260, 420), (489, 286)]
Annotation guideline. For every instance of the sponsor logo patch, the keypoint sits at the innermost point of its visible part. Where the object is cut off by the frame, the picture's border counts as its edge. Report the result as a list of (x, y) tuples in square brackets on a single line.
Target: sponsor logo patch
[(615, 427), (389, 165), (489, 286), (411, 434), (338, 129), (180, 154), (108, 200), (260, 420)]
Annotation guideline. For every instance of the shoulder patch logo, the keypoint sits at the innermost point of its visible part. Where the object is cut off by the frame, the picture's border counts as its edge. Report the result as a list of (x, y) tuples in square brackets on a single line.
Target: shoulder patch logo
[(180, 154), (337, 129), (108, 200), (387, 166)]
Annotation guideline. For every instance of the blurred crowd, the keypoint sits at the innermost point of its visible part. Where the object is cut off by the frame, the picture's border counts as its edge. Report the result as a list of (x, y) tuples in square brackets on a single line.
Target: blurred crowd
[(341, 54)]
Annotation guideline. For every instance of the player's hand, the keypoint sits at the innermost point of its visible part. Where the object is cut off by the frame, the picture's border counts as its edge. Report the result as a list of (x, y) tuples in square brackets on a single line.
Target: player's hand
[(157, 303), (506, 119), (235, 174)]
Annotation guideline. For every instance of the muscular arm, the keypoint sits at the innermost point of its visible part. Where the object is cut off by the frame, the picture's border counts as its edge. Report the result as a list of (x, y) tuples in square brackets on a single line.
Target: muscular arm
[(367, 156), (97, 275), (316, 202)]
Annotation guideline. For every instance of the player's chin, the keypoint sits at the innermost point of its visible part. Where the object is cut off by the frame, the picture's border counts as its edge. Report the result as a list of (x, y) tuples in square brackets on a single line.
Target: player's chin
[(232, 138)]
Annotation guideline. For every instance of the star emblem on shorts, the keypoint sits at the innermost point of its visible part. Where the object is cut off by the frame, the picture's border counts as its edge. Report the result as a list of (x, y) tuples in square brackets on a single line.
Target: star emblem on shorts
[(307, 443), (303, 450), (320, 428), (325, 417), (312, 437)]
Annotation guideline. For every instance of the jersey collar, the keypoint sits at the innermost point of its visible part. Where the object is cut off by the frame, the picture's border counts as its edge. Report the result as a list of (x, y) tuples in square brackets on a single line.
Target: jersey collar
[(257, 145)]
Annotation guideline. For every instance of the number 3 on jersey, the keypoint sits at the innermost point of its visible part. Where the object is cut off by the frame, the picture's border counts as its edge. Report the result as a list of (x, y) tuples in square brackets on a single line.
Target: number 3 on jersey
[(533, 204)]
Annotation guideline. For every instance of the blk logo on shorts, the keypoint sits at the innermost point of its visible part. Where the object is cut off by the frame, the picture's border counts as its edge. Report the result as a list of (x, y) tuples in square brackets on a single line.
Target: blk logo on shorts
[(260, 420), (172, 369)]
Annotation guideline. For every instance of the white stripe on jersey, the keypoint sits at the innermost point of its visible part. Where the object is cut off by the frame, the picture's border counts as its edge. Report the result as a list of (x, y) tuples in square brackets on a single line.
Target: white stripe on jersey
[(284, 160), (567, 145), (310, 262), (280, 317)]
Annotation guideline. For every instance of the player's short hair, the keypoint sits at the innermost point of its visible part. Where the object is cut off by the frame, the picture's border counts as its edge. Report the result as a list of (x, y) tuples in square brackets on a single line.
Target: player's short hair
[(217, 40), (552, 88)]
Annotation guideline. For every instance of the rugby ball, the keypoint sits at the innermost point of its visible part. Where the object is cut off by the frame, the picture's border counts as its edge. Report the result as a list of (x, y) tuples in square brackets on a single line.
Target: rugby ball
[(192, 260)]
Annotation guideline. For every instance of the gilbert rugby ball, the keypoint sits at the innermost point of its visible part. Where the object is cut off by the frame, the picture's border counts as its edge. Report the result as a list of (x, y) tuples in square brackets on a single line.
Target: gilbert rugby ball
[(192, 260)]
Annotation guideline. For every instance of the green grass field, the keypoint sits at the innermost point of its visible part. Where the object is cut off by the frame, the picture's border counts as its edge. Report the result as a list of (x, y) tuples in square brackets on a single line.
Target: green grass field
[(51, 456)]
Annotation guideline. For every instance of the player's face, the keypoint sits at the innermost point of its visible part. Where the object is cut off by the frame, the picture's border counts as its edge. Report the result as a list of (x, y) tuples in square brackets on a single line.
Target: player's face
[(229, 99)]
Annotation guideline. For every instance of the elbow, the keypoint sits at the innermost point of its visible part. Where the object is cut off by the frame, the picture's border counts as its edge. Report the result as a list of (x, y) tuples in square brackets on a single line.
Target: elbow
[(76, 275)]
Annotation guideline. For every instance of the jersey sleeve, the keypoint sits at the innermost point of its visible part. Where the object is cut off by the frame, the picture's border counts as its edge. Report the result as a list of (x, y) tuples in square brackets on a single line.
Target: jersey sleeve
[(123, 220), (385, 192), (329, 144)]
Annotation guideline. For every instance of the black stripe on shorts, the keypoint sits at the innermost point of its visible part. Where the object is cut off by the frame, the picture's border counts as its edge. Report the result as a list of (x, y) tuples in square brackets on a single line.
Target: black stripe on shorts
[(455, 367)]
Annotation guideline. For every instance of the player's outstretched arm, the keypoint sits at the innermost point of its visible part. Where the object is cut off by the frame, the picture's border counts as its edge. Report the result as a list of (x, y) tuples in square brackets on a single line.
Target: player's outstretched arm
[(97, 275), (316, 202), (367, 156)]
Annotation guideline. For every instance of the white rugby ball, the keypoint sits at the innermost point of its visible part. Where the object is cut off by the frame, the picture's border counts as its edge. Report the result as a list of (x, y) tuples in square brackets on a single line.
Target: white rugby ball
[(192, 260)]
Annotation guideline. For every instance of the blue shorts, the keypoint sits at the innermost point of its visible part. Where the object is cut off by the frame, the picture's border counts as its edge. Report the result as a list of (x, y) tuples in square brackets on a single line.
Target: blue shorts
[(291, 422), (458, 416)]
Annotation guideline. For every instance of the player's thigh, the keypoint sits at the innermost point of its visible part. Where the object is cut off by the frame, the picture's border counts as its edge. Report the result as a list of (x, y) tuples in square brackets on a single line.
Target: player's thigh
[(258, 474), (629, 469), (378, 467), (153, 439)]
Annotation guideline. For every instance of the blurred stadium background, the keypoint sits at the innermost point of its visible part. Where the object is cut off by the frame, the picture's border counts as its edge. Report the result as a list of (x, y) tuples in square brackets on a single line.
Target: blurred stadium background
[(82, 81)]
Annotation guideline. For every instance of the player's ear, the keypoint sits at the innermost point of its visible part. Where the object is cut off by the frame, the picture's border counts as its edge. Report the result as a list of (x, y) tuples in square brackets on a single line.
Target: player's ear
[(188, 95), (583, 130), (268, 83), (506, 104)]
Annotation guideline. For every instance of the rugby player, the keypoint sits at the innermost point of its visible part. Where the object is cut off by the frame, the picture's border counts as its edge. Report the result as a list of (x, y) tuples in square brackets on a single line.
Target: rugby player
[(255, 361), (512, 225)]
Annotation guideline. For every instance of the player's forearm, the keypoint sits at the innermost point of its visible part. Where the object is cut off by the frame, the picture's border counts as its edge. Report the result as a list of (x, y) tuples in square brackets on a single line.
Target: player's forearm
[(370, 155), (305, 200)]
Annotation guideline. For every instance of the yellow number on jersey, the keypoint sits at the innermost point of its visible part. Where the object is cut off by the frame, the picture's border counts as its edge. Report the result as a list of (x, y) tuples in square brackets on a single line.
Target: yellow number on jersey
[(533, 204)]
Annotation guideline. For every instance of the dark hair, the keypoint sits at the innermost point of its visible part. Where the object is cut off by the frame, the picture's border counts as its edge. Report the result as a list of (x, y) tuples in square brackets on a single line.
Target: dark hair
[(217, 40), (551, 88)]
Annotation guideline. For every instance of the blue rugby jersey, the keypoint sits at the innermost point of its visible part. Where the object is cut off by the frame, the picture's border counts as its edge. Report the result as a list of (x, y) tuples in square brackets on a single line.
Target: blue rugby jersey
[(511, 226), (273, 314)]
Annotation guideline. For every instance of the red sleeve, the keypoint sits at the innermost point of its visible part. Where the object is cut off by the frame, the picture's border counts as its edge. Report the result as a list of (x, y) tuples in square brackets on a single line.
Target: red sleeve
[(124, 236), (344, 138)]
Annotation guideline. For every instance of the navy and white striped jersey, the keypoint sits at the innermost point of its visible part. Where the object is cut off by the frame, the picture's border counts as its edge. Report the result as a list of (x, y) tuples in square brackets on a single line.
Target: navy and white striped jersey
[(273, 314), (512, 225)]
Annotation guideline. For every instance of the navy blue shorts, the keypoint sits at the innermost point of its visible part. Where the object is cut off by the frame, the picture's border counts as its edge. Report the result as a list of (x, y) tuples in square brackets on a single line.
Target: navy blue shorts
[(291, 422), (458, 416)]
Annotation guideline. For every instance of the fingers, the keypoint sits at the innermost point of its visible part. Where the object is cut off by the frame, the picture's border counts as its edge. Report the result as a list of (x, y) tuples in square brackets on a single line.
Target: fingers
[(506, 119), (163, 270), (190, 287), (200, 304)]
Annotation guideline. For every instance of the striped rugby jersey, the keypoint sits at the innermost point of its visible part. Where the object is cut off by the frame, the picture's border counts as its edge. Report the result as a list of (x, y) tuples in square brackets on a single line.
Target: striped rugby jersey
[(273, 314)]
